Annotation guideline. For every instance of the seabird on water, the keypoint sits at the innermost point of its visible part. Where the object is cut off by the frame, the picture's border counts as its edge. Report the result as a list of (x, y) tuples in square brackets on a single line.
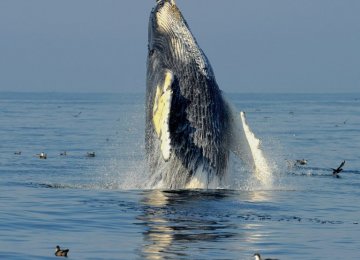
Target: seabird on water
[(258, 257), (61, 252), (301, 162), (296, 163), (78, 114), (338, 170), (90, 154), (42, 155)]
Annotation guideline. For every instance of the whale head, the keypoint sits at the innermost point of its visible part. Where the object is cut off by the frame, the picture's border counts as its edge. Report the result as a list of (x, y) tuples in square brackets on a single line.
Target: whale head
[(171, 37), (163, 17)]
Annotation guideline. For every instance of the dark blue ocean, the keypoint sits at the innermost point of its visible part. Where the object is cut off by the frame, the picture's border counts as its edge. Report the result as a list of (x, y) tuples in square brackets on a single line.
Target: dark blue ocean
[(99, 208)]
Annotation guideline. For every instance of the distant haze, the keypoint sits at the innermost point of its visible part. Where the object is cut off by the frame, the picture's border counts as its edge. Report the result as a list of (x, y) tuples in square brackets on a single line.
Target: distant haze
[(254, 46)]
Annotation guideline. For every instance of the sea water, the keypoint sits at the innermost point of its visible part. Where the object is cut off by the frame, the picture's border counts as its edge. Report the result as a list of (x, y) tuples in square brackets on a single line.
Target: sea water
[(101, 208)]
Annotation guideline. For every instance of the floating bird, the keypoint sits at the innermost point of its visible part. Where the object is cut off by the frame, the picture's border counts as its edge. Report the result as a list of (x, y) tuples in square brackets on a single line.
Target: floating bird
[(63, 153), (337, 125), (296, 163), (18, 153), (61, 252), (258, 257), (42, 155), (301, 162), (338, 170), (78, 114), (90, 154)]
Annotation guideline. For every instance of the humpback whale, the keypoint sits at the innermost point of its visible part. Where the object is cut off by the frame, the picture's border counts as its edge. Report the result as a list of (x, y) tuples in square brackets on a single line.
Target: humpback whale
[(190, 127)]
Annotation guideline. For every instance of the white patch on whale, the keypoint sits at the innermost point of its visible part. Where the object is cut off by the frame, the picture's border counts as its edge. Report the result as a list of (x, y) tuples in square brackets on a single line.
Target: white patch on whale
[(161, 113)]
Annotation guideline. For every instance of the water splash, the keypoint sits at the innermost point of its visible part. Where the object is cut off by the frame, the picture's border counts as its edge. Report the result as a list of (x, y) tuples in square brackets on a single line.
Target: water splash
[(253, 172), (124, 166), (117, 174)]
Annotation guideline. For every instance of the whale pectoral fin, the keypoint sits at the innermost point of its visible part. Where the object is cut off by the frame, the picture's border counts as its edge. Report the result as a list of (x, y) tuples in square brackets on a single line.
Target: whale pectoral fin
[(244, 144), (161, 113), (238, 142)]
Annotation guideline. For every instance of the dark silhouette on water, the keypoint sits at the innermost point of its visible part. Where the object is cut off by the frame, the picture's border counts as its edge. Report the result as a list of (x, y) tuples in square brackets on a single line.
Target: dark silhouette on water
[(301, 162), (42, 155), (78, 114), (296, 163), (18, 153), (258, 257), (61, 252), (90, 154), (343, 123), (338, 170)]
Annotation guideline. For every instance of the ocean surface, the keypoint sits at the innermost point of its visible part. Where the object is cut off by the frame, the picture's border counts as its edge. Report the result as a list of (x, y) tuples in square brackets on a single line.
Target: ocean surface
[(100, 207)]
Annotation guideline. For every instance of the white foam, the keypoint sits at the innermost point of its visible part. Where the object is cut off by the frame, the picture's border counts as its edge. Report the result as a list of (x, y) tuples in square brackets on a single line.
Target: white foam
[(201, 180)]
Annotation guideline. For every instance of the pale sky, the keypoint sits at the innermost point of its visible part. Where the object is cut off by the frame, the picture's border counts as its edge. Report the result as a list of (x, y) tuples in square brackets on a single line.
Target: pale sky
[(306, 46)]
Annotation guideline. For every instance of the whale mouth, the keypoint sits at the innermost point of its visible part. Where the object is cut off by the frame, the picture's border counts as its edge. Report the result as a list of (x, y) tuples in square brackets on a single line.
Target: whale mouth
[(164, 18), (161, 2), (170, 36)]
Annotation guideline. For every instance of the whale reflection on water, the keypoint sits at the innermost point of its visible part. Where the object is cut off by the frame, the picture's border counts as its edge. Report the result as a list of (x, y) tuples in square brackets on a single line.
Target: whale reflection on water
[(175, 220)]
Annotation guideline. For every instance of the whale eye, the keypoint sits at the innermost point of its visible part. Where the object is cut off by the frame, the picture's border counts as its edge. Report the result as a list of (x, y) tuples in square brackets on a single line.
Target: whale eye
[(160, 2), (151, 52)]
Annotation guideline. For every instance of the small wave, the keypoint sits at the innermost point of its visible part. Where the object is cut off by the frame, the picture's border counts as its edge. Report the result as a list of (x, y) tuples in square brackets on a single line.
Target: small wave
[(262, 217), (59, 186), (317, 171)]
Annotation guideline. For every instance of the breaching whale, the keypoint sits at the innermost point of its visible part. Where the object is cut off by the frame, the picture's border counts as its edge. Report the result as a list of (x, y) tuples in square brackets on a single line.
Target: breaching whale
[(190, 127)]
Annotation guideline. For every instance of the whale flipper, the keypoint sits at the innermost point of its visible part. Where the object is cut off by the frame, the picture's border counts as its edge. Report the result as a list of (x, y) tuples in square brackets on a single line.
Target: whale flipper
[(245, 145), (161, 112)]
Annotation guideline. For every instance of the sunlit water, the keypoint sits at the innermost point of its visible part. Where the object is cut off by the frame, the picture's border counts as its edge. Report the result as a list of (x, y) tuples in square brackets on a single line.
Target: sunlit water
[(99, 207)]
